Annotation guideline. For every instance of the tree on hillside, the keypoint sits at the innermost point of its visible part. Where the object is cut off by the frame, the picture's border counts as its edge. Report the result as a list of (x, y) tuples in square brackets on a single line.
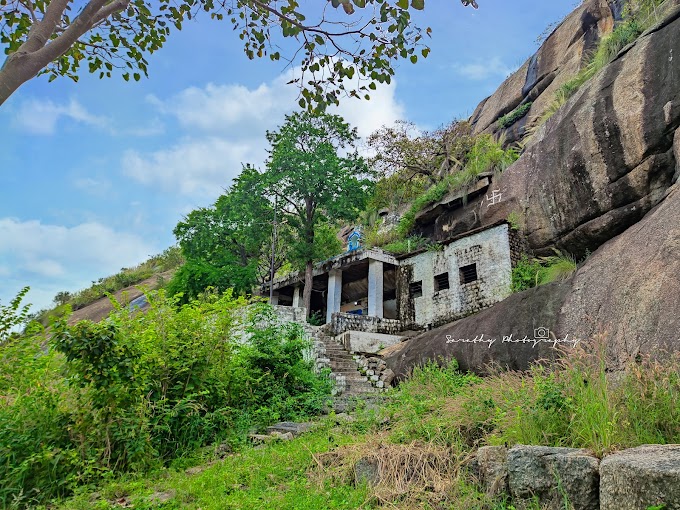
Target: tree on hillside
[(318, 177), (224, 245), (363, 39), (403, 148)]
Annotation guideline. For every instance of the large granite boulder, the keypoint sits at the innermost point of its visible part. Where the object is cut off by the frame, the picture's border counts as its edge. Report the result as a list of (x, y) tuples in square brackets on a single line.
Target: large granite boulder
[(602, 161), (558, 59), (605, 158), (601, 177), (511, 335), (553, 476), (641, 478)]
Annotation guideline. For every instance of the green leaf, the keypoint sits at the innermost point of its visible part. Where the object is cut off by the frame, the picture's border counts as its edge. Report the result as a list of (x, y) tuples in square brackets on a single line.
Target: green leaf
[(403, 4), (418, 4)]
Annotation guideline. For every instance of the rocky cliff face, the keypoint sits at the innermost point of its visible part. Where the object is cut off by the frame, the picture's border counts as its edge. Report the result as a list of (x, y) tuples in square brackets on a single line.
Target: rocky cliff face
[(560, 57), (599, 177)]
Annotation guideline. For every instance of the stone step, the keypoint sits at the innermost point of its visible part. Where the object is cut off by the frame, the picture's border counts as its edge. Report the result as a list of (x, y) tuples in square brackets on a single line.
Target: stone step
[(358, 378), (336, 348), (351, 390), (337, 355), (342, 359), (343, 365), (288, 426)]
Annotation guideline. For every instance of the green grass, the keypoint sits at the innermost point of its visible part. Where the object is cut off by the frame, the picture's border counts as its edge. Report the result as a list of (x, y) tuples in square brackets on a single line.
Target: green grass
[(555, 268), (272, 477), (529, 273), (438, 414), (509, 119)]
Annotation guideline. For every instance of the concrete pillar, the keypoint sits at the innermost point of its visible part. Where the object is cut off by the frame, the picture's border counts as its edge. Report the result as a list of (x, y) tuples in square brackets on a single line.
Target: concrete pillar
[(297, 297), (275, 299), (375, 288), (334, 293)]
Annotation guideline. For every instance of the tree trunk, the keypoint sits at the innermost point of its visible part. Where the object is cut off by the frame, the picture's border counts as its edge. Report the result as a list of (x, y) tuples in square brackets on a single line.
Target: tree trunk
[(309, 239), (17, 70), (40, 48), (307, 292)]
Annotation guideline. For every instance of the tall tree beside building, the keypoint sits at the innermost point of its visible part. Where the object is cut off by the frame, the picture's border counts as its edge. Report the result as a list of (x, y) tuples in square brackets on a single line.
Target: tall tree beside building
[(316, 173), (224, 244)]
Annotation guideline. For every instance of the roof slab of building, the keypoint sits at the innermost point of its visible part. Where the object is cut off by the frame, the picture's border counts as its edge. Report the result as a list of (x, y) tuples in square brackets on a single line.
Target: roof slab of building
[(354, 266)]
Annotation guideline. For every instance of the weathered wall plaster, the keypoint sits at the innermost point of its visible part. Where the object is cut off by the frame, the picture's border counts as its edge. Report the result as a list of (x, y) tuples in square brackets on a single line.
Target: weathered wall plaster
[(489, 250)]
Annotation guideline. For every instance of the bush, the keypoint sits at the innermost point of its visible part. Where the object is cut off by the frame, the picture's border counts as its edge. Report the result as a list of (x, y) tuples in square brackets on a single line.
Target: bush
[(408, 245), (577, 402), (139, 390), (524, 274)]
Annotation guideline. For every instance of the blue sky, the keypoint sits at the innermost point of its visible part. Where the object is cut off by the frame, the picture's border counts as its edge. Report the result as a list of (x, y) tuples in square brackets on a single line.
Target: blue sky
[(94, 175)]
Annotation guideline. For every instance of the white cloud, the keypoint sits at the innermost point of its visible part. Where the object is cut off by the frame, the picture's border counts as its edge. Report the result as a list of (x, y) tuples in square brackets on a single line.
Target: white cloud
[(41, 116), (51, 258), (478, 71), (221, 108), (225, 126), (193, 166)]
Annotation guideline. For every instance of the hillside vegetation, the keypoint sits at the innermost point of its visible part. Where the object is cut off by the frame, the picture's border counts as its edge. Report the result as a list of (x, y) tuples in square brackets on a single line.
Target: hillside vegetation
[(138, 391), (422, 437)]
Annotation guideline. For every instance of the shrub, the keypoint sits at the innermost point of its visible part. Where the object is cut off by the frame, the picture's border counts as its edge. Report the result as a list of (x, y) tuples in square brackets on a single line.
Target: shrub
[(515, 220), (13, 315), (524, 274), (408, 245), (509, 119), (140, 390)]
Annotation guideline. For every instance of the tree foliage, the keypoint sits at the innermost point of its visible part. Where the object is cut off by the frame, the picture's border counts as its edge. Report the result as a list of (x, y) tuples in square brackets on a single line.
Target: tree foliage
[(13, 315), (317, 174), (363, 39), (142, 389), (225, 244), (405, 150)]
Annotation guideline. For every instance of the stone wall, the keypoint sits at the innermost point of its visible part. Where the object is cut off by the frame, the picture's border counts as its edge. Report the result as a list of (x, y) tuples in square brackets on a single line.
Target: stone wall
[(519, 246), (361, 341), (634, 479), (489, 250), (375, 368), (342, 322)]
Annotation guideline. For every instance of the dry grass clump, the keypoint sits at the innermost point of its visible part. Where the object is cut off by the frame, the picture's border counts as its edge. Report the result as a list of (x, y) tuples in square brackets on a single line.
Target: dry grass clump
[(404, 474)]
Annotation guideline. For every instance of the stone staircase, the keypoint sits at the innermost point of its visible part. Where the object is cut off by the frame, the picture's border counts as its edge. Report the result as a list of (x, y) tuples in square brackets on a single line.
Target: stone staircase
[(344, 370)]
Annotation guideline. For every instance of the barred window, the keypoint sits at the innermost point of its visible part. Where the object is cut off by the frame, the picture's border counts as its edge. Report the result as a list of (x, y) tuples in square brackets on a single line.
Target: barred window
[(468, 274), (441, 282), (416, 289)]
